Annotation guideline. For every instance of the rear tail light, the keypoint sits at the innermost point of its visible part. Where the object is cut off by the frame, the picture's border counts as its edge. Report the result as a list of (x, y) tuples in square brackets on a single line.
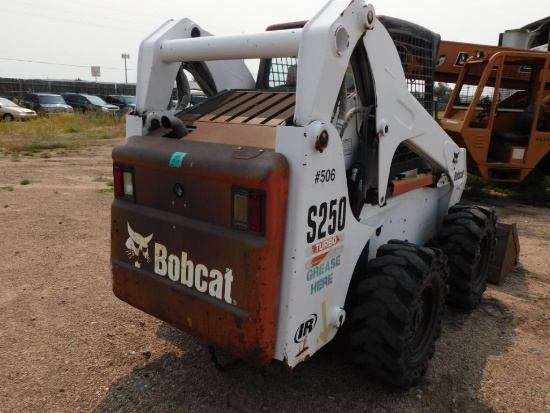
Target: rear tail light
[(124, 182), (248, 209)]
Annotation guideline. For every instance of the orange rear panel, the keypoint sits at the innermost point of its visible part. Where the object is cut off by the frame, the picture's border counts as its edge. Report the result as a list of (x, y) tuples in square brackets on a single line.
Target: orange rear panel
[(181, 260)]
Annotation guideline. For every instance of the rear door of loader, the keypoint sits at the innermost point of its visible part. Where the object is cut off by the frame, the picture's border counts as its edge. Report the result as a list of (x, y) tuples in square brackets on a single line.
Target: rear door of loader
[(197, 232)]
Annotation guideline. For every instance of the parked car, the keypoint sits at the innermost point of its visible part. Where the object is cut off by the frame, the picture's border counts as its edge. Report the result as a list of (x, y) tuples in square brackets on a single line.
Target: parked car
[(46, 103), (85, 102), (197, 96), (10, 111), (124, 102)]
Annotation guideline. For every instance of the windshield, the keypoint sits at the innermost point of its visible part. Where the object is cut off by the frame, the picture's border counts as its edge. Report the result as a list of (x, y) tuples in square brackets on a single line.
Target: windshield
[(7, 103), (95, 100), (129, 99), (51, 99)]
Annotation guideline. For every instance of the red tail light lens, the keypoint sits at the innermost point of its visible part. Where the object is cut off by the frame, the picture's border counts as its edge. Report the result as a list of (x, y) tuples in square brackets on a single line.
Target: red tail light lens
[(248, 209), (117, 178), (255, 212), (123, 178)]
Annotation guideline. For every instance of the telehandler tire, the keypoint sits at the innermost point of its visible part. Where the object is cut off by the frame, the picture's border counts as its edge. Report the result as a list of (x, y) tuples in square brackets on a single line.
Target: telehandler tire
[(468, 238), (396, 312)]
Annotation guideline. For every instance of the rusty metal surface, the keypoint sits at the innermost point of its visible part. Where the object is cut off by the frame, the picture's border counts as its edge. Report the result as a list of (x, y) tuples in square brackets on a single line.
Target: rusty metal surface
[(180, 260), (240, 118), (243, 107)]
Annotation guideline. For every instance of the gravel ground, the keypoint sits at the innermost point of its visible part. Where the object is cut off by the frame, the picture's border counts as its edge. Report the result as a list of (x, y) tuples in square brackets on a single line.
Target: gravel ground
[(68, 345)]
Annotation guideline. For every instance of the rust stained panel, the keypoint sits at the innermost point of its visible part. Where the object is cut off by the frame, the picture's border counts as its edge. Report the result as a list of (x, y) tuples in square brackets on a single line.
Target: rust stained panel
[(208, 279), (256, 103), (281, 117), (264, 109), (236, 100), (251, 107), (207, 106), (277, 113)]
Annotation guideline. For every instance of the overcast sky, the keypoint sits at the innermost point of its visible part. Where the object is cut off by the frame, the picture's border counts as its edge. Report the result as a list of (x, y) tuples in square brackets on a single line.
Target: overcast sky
[(62, 39)]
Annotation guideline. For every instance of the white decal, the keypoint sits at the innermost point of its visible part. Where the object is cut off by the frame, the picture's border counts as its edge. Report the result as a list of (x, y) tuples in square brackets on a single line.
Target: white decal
[(193, 275), (138, 246)]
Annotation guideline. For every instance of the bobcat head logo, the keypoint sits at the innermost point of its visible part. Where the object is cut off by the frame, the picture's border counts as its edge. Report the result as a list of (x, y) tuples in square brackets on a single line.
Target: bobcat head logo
[(455, 157), (138, 246)]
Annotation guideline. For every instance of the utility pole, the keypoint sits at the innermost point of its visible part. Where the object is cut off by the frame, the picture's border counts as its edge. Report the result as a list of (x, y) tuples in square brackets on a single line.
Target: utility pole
[(125, 56)]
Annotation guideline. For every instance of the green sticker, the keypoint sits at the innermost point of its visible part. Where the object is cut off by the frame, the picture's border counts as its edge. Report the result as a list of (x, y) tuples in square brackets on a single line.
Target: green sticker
[(176, 159)]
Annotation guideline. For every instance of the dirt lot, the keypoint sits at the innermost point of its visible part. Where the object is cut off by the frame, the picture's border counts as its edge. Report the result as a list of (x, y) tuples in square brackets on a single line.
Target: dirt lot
[(68, 345)]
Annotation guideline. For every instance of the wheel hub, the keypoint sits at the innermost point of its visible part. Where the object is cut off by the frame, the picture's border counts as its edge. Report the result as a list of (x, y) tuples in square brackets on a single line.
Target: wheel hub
[(417, 320)]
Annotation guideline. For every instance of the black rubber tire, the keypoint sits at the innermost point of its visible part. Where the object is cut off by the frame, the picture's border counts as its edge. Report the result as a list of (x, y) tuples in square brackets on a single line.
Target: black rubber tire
[(396, 312), (8, 117), (468, 238)]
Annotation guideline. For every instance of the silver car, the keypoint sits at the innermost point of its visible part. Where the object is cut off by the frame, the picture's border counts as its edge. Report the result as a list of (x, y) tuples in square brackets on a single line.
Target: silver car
[(10, 111)]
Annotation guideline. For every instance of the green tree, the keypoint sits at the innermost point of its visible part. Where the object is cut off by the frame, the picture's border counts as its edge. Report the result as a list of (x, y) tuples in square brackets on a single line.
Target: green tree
[(442, 91)]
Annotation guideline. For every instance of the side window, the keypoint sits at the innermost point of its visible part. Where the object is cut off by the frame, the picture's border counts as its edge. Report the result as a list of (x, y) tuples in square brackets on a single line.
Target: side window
[(283, 72), (518, 97)]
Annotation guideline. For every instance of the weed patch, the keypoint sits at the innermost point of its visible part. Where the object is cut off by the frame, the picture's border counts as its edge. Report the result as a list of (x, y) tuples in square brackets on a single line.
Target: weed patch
[(26, 181), (534, 190), (109, 182), (100, 179), (63, 133)]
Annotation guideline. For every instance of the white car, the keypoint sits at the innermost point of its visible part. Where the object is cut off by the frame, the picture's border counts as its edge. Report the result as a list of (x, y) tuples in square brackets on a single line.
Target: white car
[(9, 111)]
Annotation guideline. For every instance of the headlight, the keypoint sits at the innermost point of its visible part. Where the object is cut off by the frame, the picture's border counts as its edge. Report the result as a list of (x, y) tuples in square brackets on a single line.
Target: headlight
[(105, 109)]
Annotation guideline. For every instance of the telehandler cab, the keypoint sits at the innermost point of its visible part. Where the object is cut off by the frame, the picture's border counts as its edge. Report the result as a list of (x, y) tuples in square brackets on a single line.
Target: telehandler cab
[(499, 109), (320, 197)]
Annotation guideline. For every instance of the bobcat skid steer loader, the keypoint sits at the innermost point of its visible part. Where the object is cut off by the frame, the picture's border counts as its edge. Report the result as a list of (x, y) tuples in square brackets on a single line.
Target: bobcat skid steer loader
[(320, 197)]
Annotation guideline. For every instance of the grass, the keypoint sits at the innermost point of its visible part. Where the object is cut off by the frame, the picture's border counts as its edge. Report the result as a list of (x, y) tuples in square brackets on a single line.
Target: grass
[(26, 181), (534, 190), (109, 182), (63, 134), (8, 188), (58, 135), (101, 179)]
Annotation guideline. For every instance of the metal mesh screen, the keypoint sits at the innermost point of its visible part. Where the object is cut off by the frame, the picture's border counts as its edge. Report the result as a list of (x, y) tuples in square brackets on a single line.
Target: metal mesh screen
[(282, 72), (416, 55), (417, 48)]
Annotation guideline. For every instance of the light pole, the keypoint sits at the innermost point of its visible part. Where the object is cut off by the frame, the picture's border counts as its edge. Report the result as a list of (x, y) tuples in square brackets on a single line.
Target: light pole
[(125, 56)]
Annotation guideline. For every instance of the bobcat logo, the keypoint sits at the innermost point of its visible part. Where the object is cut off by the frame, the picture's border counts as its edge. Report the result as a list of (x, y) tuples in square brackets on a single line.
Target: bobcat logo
[(138, 246), (455, 157)]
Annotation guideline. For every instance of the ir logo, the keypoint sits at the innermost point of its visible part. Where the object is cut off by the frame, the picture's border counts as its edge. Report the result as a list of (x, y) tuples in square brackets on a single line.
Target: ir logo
[(305, 328)]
